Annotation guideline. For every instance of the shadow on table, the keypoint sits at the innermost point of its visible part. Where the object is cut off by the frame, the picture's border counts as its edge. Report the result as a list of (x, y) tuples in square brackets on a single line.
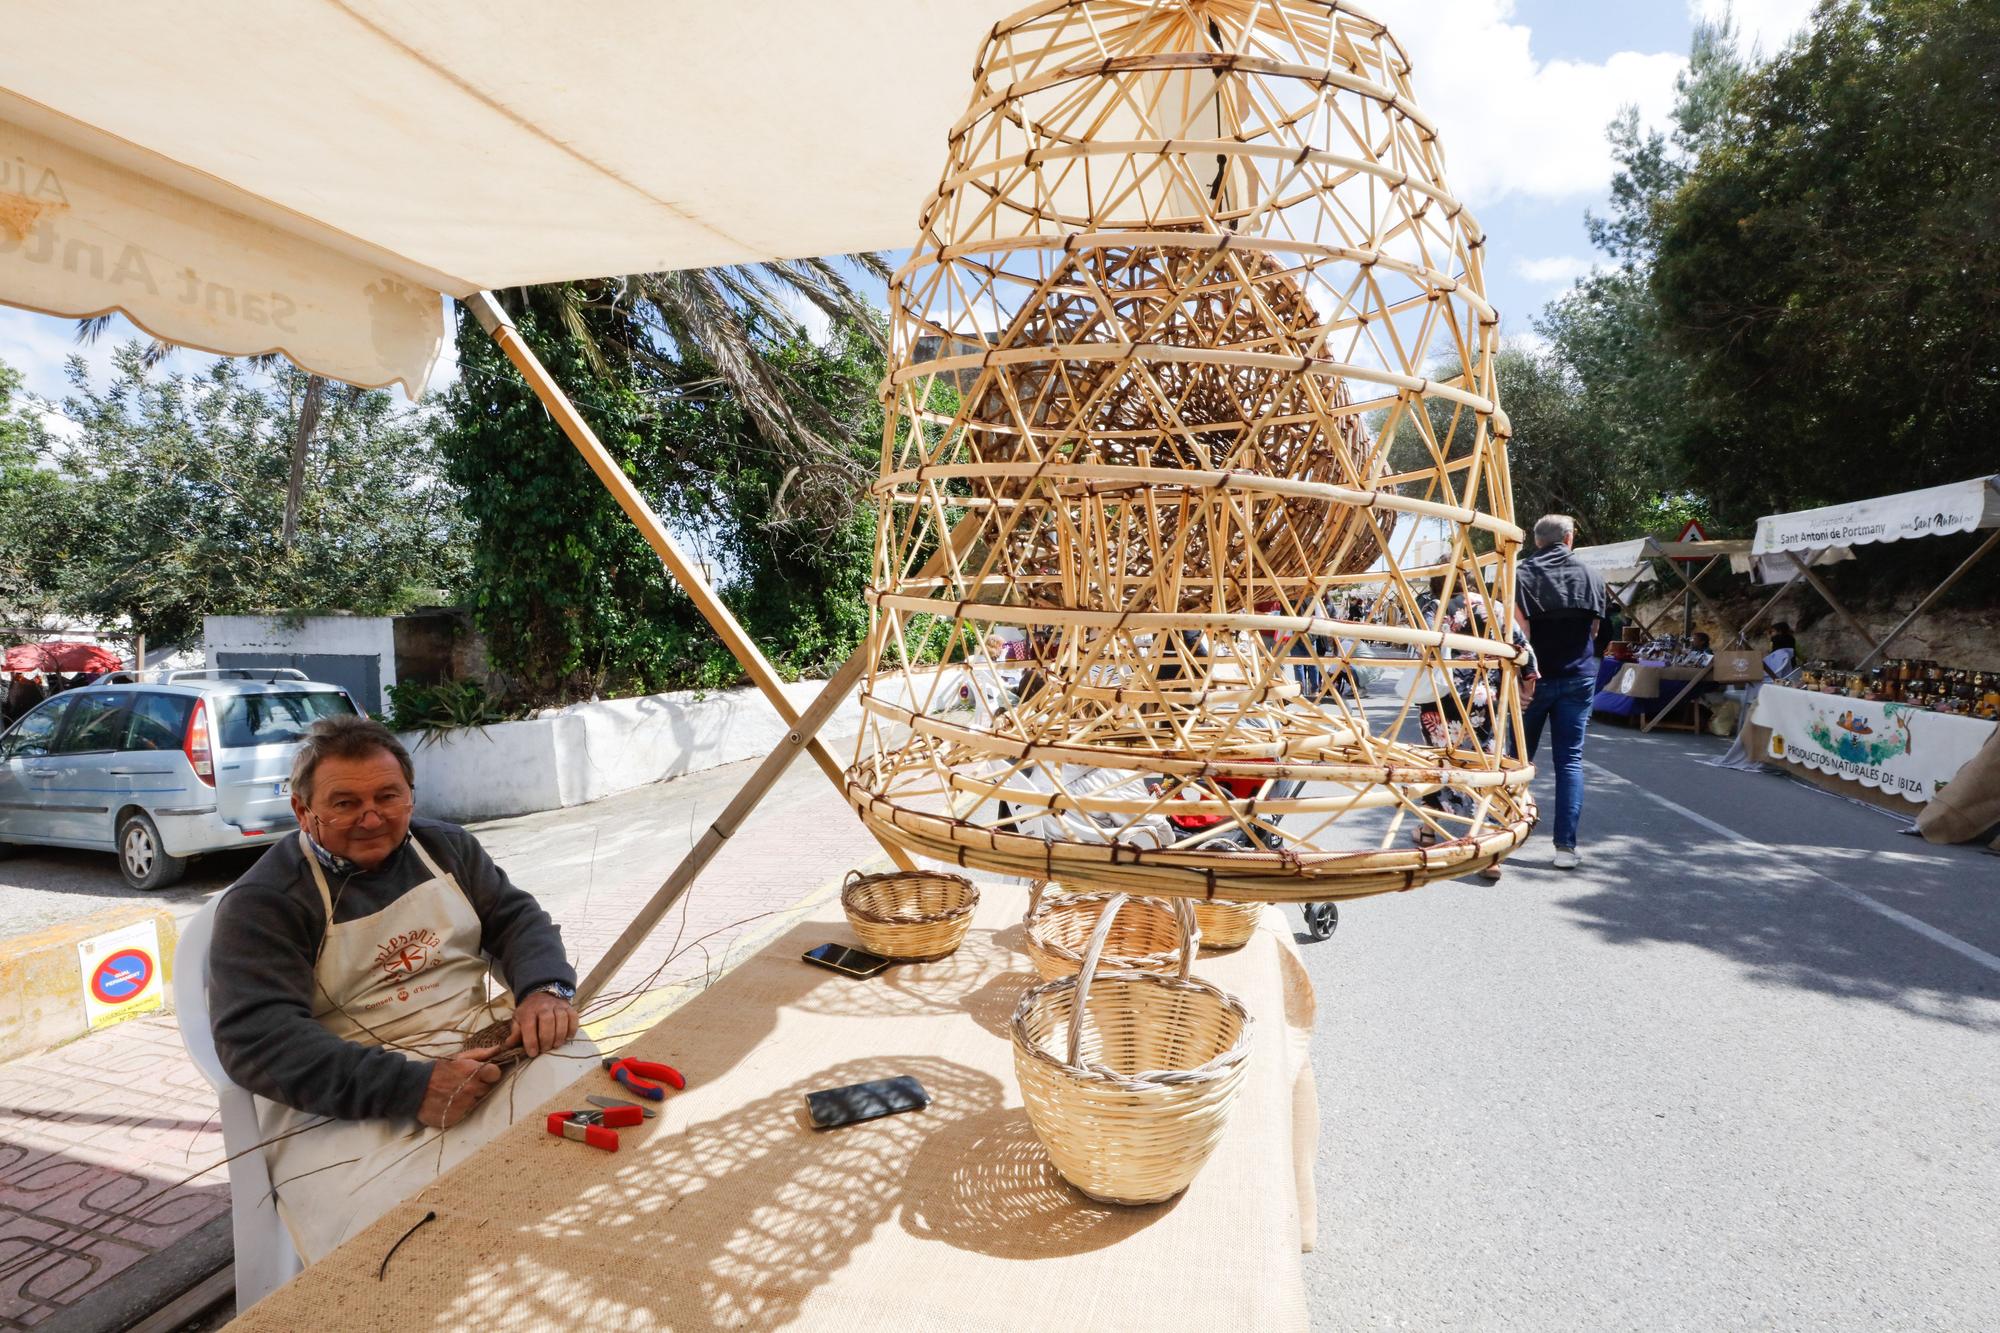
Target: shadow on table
[(1784, 926), (730, 1223), (989, 1187), (983, 978)]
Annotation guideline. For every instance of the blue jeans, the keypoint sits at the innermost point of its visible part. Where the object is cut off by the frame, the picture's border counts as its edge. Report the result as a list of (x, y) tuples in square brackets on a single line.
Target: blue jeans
[(1567, 700)]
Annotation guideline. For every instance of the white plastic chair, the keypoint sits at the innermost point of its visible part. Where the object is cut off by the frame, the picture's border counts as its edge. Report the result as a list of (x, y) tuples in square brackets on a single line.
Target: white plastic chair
[(265, 1258)]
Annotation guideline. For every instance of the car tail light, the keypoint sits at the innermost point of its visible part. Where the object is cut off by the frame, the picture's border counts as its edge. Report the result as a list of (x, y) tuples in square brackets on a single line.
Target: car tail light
[(200, 757)]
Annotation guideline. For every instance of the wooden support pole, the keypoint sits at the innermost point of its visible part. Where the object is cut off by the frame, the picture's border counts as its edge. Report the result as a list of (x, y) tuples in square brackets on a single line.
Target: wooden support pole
[(496, 323), (775, 763), (1692, 587), (1743, 634), (747, 798), (1818, 586), (1930, 601)]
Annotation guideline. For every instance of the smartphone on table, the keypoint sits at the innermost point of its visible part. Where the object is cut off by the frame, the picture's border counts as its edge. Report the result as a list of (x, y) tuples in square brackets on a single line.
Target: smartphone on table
[(846, 959), (865, 1101)]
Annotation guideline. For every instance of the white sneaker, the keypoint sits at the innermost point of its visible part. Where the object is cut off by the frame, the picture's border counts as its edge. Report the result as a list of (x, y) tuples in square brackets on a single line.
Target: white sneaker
[(1567, 859)]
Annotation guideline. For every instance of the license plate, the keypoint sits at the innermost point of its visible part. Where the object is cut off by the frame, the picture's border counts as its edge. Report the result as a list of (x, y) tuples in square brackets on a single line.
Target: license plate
[(282, 788)]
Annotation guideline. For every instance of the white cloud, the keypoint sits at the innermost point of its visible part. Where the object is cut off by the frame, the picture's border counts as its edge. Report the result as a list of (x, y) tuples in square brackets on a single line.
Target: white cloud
[(1512, 124), (1763, 26), (816, 322), (40, 345), (1554, 271)]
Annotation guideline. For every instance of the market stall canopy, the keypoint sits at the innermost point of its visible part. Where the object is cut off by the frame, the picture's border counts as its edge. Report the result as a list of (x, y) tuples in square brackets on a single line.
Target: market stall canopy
[(1963, 506), (1619, 563), (70, 658), (307, 178)]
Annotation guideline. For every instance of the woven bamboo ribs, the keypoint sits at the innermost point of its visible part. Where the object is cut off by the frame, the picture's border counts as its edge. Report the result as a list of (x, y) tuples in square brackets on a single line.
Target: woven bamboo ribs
[(1167, 390)]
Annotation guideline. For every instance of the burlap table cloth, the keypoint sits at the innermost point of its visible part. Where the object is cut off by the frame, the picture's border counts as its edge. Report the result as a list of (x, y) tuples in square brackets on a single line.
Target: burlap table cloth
[(728, 1211)]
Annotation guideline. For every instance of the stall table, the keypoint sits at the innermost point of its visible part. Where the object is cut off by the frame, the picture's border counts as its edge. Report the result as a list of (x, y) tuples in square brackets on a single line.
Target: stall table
[(728, 1211), (1644, 690), (1888, 754)]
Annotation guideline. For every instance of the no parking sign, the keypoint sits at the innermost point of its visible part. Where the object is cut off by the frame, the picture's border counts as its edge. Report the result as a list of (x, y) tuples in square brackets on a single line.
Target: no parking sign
[(121, 972)]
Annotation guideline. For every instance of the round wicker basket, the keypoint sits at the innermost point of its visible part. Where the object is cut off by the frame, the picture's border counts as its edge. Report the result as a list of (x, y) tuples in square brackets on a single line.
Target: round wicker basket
[(1132, 1098), (1145, 936), (1225, 924), (912, 916)]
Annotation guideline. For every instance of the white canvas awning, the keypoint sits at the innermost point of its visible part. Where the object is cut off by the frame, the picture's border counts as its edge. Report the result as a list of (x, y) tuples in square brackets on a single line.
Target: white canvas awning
[(1963, 506), (307, 177), (1619, 563)]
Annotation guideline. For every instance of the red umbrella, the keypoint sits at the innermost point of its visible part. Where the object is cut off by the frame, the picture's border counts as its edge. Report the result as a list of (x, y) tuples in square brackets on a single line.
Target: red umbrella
[(68, 658)]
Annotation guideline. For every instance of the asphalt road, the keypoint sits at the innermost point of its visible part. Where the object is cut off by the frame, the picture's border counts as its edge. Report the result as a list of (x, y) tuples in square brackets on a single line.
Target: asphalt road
[(1706, 1081)]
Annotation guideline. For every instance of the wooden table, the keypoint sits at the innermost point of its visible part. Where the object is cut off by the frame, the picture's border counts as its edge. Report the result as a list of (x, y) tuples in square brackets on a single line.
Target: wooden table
[(728, 1211)]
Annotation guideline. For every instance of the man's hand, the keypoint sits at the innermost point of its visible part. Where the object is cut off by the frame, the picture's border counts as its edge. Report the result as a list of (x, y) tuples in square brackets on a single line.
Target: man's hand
[(1528, 688), (457, 1085), (543, 1022)]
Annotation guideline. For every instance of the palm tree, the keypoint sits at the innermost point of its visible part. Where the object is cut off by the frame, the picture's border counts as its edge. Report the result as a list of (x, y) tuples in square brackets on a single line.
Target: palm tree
[(724, 316)]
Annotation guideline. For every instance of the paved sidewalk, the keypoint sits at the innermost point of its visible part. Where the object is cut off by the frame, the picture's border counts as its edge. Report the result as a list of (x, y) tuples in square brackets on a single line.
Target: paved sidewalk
[(95, 1137)]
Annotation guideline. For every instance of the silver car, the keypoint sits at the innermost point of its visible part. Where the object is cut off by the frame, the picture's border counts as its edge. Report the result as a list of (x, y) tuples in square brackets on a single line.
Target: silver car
[(160, 771)]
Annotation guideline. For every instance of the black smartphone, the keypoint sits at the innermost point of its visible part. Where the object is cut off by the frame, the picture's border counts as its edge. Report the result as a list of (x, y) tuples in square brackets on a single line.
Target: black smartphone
[(865, 1101), (846, 959)]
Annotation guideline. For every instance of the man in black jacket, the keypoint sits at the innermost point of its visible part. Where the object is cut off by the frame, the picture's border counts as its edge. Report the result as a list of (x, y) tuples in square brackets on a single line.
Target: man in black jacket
[(351, 970), (1562, 602)]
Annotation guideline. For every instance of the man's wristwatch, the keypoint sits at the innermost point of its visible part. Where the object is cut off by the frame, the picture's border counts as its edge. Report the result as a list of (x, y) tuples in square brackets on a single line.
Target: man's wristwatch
[(561, 990)]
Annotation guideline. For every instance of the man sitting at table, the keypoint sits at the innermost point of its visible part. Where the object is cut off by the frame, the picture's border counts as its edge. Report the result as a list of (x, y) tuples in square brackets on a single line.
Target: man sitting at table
[(349, 974)]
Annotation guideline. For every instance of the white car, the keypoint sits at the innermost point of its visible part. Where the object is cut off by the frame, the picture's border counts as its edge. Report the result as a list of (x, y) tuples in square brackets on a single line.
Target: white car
[(160, 772)]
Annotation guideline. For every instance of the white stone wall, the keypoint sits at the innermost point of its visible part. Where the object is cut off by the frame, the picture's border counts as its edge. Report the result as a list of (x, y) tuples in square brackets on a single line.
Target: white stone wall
[(588, 751)]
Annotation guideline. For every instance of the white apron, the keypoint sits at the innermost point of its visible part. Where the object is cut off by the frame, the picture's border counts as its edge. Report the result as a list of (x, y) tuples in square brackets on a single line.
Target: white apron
[(411, 976)]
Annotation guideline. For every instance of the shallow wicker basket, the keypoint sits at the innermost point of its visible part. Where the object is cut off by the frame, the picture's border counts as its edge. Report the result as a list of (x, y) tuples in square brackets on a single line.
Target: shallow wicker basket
[(1130, 1101), (1225, 924), (1145, 936), (912, 916)]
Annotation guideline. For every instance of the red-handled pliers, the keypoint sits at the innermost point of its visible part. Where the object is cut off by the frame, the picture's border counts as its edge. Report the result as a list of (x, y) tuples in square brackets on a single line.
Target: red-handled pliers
[(634, 1074)]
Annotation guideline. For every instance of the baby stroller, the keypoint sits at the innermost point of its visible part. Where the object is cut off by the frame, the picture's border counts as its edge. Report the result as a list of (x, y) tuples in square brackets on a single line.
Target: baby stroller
[(1321, 918)]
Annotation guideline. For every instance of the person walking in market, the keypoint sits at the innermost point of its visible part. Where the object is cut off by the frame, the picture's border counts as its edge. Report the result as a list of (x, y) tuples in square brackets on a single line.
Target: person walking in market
[(1562, 602)]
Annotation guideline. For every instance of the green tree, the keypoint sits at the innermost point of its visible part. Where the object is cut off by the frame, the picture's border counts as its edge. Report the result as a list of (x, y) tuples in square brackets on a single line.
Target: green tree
[(1611, 409), (30, 493), (1826, 270), (174, 506), (572, 600)]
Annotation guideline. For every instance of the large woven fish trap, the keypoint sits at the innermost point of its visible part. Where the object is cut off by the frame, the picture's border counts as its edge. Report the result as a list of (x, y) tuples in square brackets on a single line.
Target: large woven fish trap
[(1191, 418)]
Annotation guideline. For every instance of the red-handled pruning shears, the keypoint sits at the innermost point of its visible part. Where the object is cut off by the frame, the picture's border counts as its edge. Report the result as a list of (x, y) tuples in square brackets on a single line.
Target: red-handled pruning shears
[(636, 1075), (597, 1127)]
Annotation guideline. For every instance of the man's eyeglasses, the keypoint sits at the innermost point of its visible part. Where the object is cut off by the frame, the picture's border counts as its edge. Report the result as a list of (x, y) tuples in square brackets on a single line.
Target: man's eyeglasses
[(345, 814)]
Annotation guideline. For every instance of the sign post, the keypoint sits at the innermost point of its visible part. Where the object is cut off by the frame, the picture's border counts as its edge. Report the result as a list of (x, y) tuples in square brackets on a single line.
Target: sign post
[(1693, 532)]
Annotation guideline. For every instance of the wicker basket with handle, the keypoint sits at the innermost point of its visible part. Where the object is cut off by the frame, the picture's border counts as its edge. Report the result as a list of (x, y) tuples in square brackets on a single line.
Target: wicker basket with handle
[(1146, 937), (1129, 1076), (912, 916)]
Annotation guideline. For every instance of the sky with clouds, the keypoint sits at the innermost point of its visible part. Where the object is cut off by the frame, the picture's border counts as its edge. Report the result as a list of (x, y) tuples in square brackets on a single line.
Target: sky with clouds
[(1521, 90)]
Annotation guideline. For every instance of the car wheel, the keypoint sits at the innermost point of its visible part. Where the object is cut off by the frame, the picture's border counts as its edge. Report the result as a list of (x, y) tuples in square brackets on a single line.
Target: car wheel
[(142, 860)]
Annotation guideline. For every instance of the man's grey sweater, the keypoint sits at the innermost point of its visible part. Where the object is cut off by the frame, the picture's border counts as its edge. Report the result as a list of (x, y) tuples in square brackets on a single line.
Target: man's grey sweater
[(268, 929)]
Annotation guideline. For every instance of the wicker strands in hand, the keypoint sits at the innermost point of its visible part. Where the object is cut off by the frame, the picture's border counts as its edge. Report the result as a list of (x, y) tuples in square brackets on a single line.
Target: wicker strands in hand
[(1193, 396), (1129, 1077), (911, 916), (1225, 924), (1145, 934)]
